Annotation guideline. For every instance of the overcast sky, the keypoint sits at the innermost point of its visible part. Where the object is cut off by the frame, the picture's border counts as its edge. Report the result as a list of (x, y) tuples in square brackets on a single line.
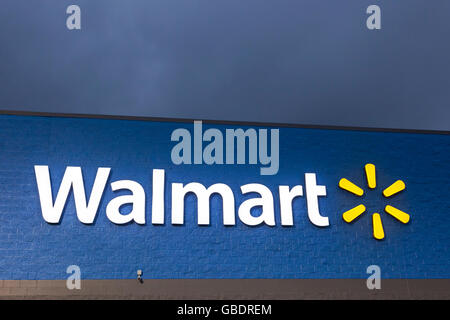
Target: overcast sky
[(294, 61)]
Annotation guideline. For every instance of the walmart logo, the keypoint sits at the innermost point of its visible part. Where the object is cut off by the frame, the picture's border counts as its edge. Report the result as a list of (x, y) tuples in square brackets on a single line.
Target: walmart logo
[(352, 214), (87, 208)]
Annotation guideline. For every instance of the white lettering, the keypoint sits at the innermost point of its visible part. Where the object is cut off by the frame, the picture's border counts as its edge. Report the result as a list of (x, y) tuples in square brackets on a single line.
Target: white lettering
[(72, 178)]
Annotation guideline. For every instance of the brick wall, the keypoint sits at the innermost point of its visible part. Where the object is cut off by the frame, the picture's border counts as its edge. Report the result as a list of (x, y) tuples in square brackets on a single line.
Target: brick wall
[(32, 249)]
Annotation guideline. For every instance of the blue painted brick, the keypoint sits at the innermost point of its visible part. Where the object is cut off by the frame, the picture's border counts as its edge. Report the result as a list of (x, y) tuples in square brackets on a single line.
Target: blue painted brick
[(32, 249)]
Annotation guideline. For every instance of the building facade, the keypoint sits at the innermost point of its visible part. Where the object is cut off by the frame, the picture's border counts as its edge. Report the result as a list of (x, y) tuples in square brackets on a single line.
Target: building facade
[(167, 208)]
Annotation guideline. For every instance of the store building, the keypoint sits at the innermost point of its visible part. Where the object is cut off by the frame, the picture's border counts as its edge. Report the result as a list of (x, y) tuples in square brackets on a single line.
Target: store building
[(169, 208)]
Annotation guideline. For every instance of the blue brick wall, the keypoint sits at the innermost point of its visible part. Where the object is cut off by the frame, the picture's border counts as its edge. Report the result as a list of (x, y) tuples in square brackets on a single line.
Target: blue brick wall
[(32, 249)]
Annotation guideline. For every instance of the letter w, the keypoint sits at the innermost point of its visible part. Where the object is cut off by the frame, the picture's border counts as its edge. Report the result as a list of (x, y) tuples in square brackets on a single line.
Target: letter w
[(72, 178)]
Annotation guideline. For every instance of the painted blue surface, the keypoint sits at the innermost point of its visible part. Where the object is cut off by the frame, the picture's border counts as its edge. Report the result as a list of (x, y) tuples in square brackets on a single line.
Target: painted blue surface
[(32, 249)]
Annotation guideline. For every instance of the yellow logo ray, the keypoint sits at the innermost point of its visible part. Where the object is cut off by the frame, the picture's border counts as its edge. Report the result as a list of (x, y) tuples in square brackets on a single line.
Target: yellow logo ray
[(394, 188), (350, 187), (370, 174), (353, 213), (378, 232), (397, 214)]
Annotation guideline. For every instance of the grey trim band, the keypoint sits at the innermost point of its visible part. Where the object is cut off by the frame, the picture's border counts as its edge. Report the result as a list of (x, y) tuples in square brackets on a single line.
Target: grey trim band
[(225, 122), (196, 289)]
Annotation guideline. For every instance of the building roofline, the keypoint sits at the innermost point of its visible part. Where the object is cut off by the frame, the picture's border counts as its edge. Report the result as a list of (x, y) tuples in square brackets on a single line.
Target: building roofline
[(223, 122)]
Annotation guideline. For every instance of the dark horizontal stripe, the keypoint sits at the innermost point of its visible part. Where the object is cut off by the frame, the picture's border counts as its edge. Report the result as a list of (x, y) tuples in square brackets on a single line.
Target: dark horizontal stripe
[(198, 289), (224, 122)]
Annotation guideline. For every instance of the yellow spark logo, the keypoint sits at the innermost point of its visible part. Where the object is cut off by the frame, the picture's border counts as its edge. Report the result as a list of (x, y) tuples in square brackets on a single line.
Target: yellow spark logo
[(352, 214)]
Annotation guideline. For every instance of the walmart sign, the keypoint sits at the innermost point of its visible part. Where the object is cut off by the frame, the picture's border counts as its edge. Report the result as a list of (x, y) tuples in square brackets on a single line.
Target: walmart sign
[(211, 200)]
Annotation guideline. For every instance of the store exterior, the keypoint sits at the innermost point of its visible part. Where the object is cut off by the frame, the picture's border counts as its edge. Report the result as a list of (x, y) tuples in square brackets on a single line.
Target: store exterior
[(127, 207)]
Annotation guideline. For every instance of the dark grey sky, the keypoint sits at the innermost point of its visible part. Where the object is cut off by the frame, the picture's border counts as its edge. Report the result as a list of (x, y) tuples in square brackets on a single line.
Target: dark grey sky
[(297, 61)]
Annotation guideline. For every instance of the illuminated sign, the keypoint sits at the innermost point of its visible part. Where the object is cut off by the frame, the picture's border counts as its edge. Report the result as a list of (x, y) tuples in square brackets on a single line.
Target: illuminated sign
[(352, 214), (87, 209)]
